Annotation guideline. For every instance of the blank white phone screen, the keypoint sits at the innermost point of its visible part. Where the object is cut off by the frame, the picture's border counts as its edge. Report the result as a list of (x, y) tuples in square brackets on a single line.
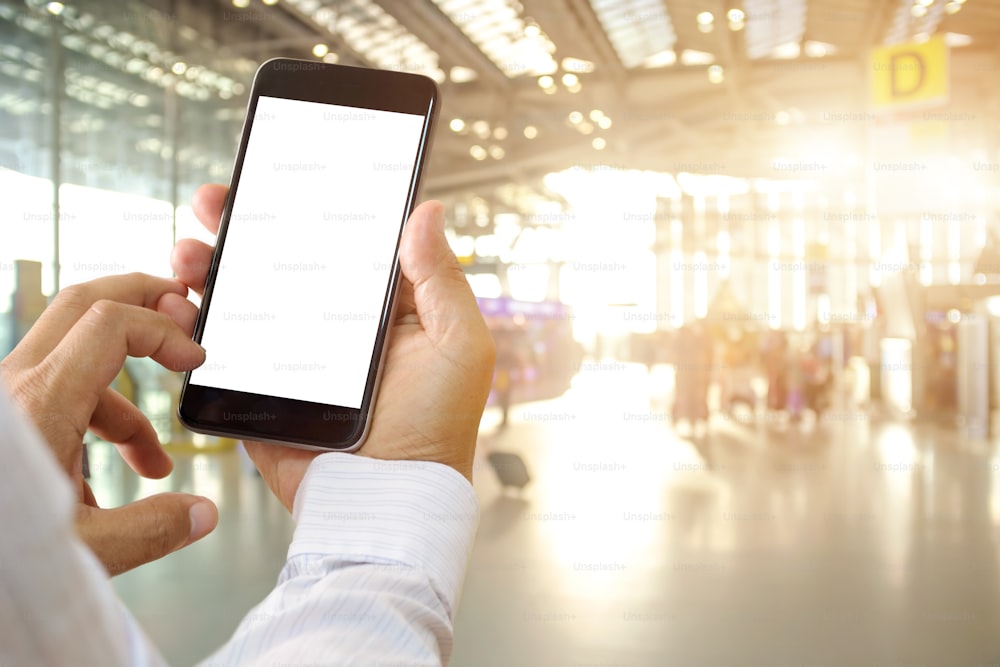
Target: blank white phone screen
[(308, 254)]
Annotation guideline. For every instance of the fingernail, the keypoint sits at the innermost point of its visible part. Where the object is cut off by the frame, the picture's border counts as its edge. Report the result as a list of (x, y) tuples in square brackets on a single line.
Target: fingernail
[(202, 519)]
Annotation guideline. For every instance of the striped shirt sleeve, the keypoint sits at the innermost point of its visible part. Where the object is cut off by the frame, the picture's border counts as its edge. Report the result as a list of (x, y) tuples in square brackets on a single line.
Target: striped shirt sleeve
[(56, 605), (374, 571)]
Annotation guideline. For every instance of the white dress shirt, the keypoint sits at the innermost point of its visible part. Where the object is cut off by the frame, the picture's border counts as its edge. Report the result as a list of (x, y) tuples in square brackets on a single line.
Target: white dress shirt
[(373, 574)]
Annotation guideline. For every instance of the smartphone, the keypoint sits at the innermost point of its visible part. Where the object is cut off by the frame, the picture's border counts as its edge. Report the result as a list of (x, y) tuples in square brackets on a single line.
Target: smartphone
[(301, 292)]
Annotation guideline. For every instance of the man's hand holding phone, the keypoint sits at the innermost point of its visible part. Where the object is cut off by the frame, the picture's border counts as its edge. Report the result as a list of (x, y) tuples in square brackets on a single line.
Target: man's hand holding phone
[(439, 364)]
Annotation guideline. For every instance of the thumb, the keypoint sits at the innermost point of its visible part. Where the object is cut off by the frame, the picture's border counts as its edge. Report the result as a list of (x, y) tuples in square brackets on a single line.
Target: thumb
[(125, 537), (445, 303)]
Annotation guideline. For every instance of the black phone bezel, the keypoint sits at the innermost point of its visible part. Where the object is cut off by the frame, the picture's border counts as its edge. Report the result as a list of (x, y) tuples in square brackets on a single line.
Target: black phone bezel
[(251, 416)]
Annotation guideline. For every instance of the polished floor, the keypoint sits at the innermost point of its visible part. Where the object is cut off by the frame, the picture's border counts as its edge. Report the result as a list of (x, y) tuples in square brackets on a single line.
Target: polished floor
[(853, 541)]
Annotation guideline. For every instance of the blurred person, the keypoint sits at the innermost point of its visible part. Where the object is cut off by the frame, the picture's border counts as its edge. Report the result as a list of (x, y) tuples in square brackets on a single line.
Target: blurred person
[(692, 353), (507, 371), (817, 378), (945, 371), (736, 373), (383, 590), (794, 381), (774, 355)]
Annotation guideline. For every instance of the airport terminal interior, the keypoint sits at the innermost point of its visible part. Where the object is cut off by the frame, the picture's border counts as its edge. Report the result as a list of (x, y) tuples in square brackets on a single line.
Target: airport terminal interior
[(741, 261)]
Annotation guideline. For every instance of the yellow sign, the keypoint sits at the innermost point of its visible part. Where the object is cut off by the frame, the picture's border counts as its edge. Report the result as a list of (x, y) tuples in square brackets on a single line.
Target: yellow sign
[(907, 75)]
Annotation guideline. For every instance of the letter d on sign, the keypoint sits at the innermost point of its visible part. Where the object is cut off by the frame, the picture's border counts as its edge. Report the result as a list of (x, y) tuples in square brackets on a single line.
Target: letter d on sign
[(909, 75), (906, 74)]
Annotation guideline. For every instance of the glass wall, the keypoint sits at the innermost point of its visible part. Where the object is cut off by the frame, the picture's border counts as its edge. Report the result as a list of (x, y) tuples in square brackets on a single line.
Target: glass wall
[(128, 109)]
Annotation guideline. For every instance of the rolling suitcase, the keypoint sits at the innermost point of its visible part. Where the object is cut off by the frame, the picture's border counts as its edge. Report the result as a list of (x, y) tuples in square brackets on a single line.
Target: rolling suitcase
[(510, 469)]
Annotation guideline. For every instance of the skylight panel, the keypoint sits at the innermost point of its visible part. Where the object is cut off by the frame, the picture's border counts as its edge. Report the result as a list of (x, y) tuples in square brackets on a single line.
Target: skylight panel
[(376, 35), (497, 27), (637, 29)]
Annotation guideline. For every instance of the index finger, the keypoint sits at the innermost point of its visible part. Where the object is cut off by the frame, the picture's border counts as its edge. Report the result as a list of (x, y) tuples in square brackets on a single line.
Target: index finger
[(71, 303), (208, 202), (88, 358)]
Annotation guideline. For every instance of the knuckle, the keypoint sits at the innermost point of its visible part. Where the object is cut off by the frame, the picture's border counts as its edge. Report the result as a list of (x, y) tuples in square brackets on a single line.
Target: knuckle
[(73, 296), (163, 534), (136, 278), (106, 310)]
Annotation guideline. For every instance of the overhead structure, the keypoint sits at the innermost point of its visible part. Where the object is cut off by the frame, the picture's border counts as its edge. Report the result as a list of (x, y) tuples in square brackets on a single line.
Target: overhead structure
[(529, 86)]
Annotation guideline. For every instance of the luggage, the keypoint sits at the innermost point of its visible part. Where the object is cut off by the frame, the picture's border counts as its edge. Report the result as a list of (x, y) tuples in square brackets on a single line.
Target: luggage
[(510, 469)]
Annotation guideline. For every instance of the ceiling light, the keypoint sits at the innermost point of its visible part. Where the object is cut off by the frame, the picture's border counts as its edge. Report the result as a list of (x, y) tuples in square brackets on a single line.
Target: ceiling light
[(459, 74), (270, 2), (550, 91), (532, 31), (569, 79), (585, 128), (956, 39), (661, 59), (241, 4), (918, 11), (496, 152), (530, 131), (545, 81), (321, 50), (478, 152), (705, 21), (815, 49), (575, 117), (331, 58), (55, 8), (716, 74), (596, 114), (604, 123), (179, 68), (500, 133), (736, 15), (481, 128), (786, 51), (693, 57), (925, 3), (599, 143), (952, 7), (457, 124)]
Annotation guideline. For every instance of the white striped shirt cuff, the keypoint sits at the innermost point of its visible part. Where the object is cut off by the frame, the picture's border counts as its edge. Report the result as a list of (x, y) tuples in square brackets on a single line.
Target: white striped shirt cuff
[(405, 513)]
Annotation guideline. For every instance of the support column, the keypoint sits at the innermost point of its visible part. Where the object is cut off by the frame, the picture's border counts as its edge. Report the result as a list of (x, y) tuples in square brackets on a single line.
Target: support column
[(56, 84)]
